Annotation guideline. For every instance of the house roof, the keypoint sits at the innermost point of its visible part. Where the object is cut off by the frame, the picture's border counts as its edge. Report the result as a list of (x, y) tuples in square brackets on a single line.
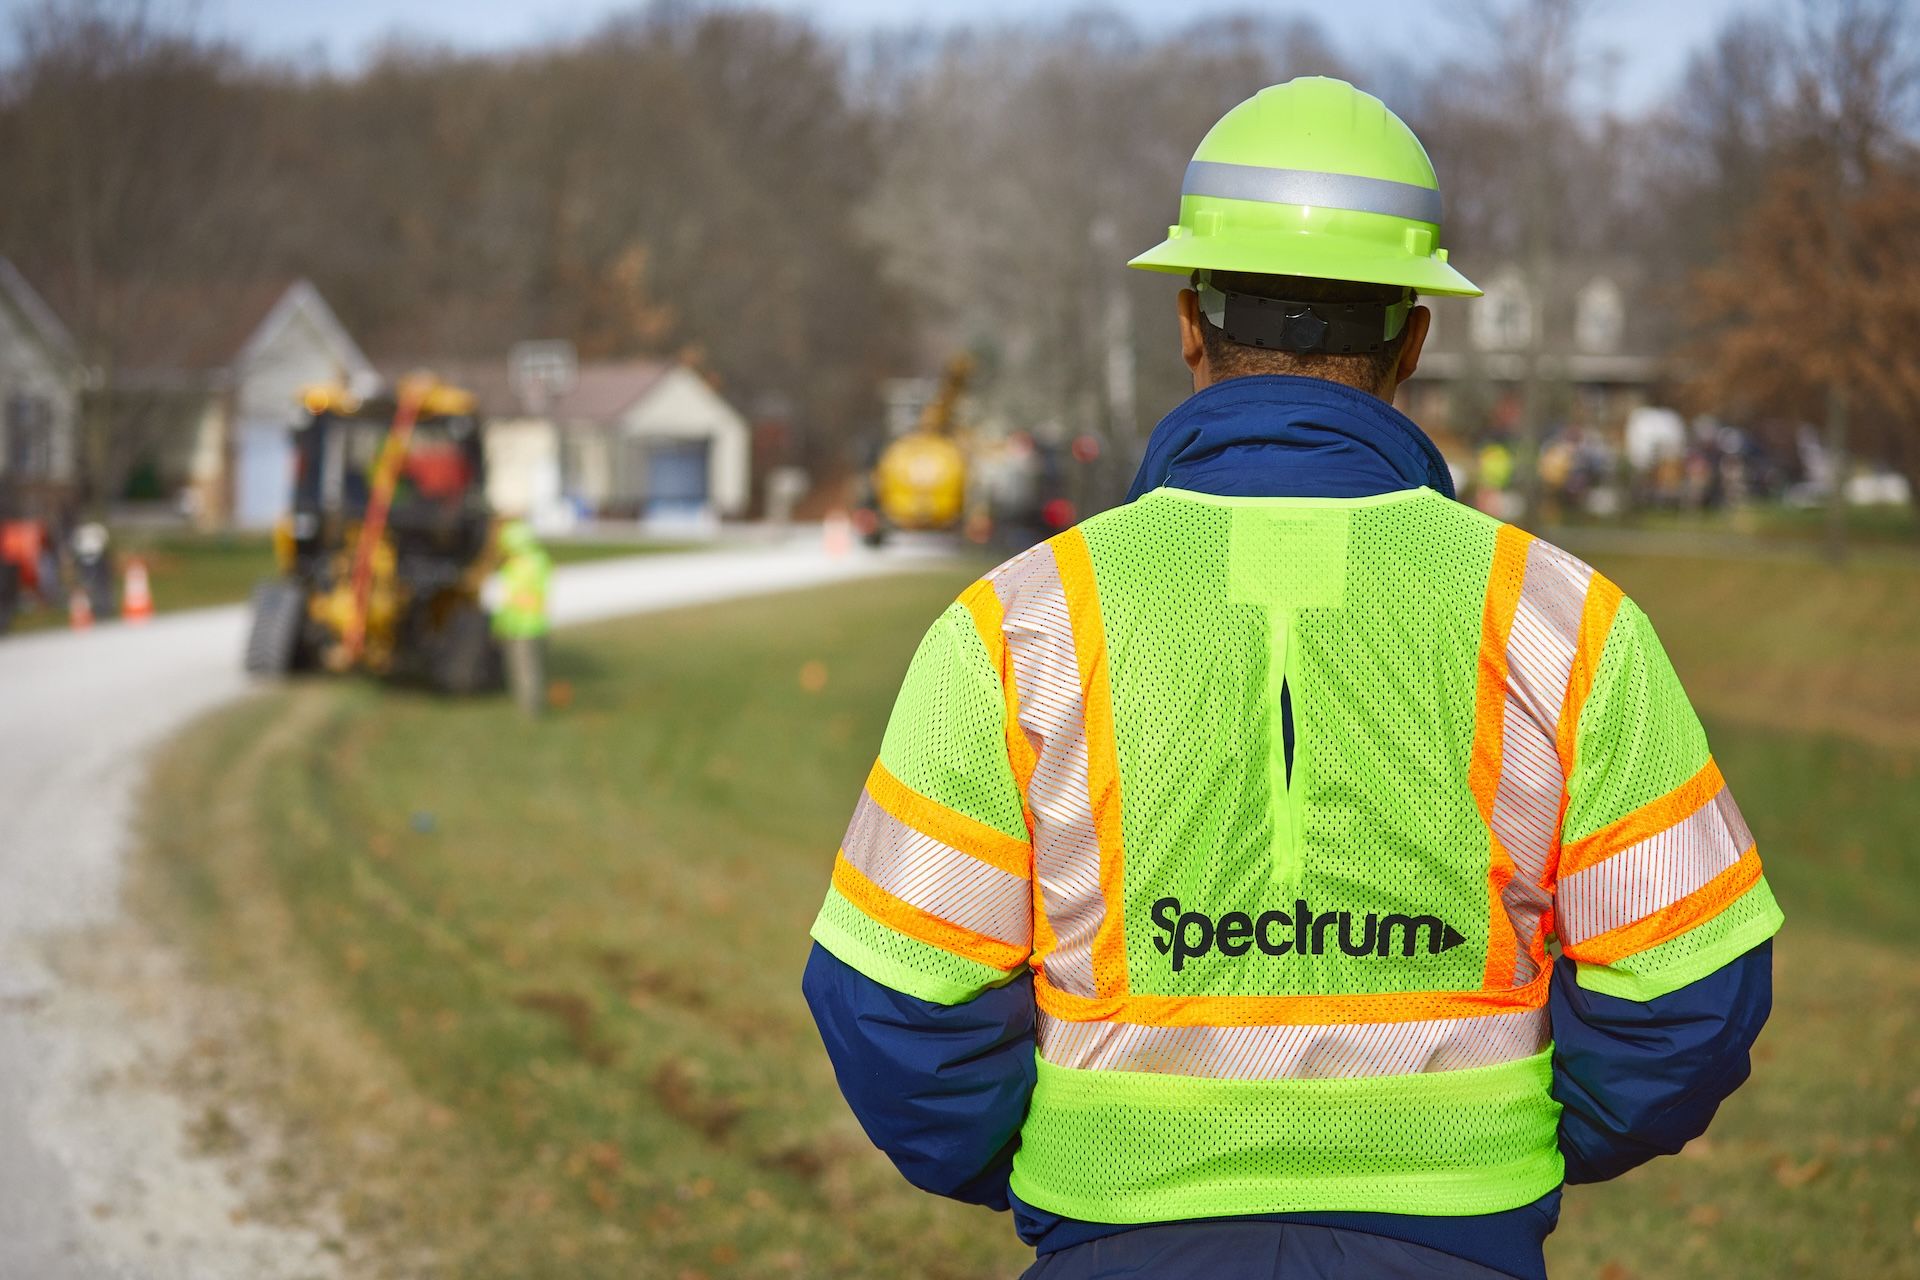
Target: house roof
[(602, 390), (180, 337), (198, 328), (32, 308)]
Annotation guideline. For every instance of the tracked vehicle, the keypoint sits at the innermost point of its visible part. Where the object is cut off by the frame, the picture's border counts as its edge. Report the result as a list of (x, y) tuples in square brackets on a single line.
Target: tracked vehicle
[(386, 546)]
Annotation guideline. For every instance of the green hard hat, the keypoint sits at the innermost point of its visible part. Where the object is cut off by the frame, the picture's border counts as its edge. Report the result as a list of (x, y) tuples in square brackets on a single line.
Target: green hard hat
[(1311, 178)]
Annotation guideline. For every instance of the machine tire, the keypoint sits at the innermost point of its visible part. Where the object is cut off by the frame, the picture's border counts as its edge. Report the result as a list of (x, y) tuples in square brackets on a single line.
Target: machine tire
[(466, 660), (9, 595), (273, 640)]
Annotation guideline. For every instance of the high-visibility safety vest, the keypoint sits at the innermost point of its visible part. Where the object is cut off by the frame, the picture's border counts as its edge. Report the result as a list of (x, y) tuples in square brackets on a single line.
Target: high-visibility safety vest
[(523, 605), (1286, 803)]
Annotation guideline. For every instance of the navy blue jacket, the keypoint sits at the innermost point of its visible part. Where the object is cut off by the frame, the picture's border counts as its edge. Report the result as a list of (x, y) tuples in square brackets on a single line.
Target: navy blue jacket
[(943, 1090)]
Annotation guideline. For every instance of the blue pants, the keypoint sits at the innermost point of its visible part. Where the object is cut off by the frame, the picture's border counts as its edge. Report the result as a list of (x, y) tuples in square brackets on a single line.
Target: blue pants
[(1252, 1251)]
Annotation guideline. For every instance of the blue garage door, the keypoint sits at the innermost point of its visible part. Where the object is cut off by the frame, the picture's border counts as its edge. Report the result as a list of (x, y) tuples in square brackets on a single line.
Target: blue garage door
[(677, 478)]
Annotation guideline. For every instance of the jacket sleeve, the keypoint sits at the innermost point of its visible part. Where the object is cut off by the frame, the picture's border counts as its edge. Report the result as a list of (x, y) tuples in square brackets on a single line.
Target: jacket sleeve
[(918, 978), (1663, 918), (942, 1089)]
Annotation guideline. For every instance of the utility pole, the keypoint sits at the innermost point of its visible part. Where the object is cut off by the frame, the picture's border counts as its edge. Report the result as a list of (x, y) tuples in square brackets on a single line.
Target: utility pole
[(1545, 72), (1533, 399), (1121, 423), (1834, 442), (1834, 445)]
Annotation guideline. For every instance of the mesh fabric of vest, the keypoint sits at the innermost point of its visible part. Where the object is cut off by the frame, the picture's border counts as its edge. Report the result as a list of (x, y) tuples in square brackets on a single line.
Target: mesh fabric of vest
[(1370, 612)]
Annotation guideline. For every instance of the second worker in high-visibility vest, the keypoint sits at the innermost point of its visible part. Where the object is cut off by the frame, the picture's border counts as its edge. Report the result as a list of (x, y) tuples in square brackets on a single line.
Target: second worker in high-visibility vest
[(1293, 872), (520, 623)]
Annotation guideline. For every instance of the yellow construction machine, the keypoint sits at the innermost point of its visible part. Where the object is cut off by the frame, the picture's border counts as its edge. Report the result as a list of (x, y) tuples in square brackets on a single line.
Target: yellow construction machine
[(385, 550), (920, 481)]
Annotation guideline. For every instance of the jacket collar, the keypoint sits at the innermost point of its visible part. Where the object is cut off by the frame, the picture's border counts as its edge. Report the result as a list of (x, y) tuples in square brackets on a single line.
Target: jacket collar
[(1274, 435)]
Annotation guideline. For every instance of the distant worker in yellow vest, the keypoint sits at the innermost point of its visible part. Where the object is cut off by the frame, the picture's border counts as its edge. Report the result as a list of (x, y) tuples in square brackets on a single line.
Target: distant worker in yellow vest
[(521, 620), (1294, 873)]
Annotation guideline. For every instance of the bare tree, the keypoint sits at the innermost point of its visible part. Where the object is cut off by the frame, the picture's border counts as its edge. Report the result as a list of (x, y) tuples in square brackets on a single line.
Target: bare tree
[(1024, 166), (136, 165), (1530, 179)]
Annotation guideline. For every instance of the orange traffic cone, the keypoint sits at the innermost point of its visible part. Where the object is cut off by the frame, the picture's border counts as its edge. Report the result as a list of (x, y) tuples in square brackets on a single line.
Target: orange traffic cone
[(79, 610), (837, 534), (136, 598)]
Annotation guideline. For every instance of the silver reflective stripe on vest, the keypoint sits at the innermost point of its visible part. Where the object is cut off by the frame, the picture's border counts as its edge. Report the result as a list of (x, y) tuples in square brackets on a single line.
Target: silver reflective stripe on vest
[(1655, 873), (936, 877), (1066, 844), (1308, 187), (1310, 1052), (1526, 808)]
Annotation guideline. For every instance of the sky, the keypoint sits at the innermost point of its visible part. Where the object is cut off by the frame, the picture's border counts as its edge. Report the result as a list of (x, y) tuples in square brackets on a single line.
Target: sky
[(1650, 39)]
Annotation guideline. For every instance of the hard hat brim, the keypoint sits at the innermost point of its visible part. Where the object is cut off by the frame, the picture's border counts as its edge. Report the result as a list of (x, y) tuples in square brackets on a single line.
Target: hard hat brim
[(1317, 257)]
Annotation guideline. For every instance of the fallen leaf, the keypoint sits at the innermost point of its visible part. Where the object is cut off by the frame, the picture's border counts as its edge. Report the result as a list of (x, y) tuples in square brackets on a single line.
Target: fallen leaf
[(1794, 1176), (1705, 1215)]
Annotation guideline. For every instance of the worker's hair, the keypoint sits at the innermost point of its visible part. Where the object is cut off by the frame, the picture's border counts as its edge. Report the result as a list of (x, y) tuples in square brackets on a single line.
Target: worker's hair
[(1367, 371)]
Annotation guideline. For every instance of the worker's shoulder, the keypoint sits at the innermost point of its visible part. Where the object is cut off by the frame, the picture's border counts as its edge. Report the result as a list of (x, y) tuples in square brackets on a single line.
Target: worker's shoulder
[(1537, 558), (1513, 548)]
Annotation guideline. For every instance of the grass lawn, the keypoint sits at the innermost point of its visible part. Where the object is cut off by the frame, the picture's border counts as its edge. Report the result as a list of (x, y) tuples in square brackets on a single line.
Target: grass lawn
[(529, 995), (1867, 527), (192, 570)]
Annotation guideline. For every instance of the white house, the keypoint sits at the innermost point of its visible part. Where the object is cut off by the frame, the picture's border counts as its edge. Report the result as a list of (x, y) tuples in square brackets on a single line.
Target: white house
[(41, 378), (225, 367), (622, 439)]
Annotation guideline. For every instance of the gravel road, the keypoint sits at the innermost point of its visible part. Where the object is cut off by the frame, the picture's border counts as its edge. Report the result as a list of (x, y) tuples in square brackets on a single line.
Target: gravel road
[(99, 1178)]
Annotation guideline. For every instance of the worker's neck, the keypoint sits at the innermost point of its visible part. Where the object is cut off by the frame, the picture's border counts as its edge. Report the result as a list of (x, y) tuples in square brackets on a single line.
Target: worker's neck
[(1203, 378)]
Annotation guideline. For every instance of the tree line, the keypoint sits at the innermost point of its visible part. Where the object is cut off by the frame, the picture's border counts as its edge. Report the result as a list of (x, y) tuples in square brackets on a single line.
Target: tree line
[(803, 216)]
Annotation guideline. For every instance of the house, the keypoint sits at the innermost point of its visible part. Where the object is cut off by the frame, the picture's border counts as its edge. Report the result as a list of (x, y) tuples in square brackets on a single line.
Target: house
[(206, 385), (41, 380), (1598, 361), (613, 439)]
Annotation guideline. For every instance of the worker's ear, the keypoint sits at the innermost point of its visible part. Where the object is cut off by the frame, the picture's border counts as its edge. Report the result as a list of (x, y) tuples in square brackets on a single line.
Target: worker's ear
[(1419, 321), (1193, 347)]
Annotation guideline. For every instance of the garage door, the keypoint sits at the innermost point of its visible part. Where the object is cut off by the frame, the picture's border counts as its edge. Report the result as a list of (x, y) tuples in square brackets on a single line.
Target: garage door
[(677, 483), (262, 473)]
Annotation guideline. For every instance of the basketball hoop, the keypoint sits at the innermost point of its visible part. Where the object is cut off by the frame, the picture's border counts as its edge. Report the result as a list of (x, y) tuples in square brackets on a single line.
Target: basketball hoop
[(541, 373)]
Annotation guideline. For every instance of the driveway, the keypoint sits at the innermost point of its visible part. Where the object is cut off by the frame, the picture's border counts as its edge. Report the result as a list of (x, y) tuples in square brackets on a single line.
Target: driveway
[(97, 1175)]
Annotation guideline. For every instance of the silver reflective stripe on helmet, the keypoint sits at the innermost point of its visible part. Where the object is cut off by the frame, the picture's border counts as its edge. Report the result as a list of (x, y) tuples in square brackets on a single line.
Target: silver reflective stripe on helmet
[(1305, 186)]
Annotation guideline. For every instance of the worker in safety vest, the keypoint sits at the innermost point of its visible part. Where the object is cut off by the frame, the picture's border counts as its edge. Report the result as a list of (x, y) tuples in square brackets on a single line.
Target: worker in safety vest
[(521, 620), (1293, 872)]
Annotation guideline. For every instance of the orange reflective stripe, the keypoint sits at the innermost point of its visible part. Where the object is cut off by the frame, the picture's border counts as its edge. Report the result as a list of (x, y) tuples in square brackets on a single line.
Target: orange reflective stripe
[(956, 830), (1103, 760), (904, 917), (1648, 820), (983, 603), (1241, 1011), (1489, 723), (1596, 621), (984, 606), (1670, 922), (1503, 943)]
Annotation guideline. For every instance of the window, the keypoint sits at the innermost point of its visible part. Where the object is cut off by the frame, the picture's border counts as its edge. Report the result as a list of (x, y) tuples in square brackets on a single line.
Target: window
[(29, 436), (1599, 317), (1503, 320)]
